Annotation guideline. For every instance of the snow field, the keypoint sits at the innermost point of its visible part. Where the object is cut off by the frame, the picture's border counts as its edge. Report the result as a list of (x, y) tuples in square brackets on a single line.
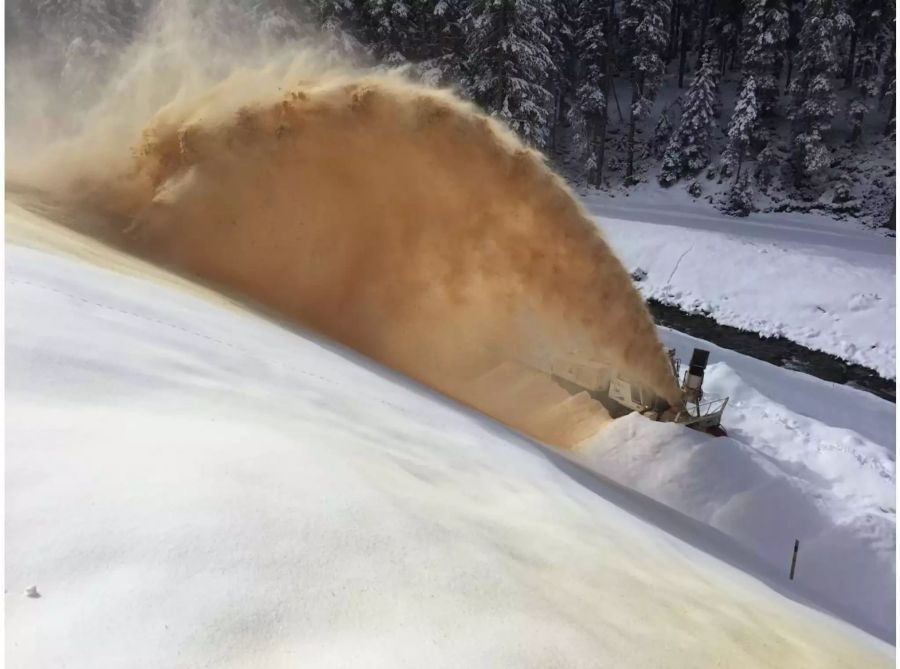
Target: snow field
[(826, 285), (190, 485), (804, 459)]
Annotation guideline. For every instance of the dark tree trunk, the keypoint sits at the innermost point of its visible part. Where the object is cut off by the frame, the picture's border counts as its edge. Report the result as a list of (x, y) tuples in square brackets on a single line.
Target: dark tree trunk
[(501, 89), (592, 149), (675, 16), (618, 108), (701, 44), (682, 61), (595, 174), (603, 121), (889, 74), (790, 71), (632, 121), (600, 156), (851, 61)]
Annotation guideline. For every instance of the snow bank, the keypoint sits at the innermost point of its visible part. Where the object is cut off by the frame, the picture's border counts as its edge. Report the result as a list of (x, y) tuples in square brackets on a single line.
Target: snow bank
[(827, 285), (805, 460), (190, 485)]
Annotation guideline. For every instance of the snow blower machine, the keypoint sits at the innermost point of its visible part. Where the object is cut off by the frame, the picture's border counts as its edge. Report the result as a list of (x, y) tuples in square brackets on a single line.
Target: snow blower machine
[(620, 396)]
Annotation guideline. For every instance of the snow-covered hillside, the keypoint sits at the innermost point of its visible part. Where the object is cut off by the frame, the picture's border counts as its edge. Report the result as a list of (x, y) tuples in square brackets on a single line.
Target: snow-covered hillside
[(805, 459), (191, 485), (826, 285)]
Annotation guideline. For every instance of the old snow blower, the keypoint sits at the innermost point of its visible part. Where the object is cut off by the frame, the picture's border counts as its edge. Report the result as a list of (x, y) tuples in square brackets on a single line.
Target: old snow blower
[(620, 396)]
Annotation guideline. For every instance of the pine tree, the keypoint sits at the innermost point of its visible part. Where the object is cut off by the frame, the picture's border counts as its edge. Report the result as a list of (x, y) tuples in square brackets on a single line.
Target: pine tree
[(705, 16), (588, 112), (890, 99), (764, 35), (888, 90), (688, 150), (724, 31), (856, 112), (768, 165), (739, 198), (392, 26), (742, 126), (869, 41), (79, 41), (870, 17), (687, 25), (442, 41), (795, 23), (344, 25), (814, 101), (509, 66), (662, 133), (560, 29), (644, 37)]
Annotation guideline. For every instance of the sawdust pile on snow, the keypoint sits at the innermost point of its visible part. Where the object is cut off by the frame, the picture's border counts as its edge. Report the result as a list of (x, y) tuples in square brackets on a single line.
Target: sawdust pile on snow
[(394, 218)]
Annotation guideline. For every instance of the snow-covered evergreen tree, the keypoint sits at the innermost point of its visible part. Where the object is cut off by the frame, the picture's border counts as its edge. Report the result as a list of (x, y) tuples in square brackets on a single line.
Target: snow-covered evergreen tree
[(871, 25), (346, 27), (439, 51), (644, 36), (78, 38), (559, 27), (768, 164), (856, 112), (765, 31), (872, 33), (446, 20), (724, 33), (557, 71), (890, 100), (393, 27), (588, 111), (89, 21), (688, 150), (739, 198), (888, 81), (741, 128), (547, 67), (814, 100), (662, 133), (509, 65)]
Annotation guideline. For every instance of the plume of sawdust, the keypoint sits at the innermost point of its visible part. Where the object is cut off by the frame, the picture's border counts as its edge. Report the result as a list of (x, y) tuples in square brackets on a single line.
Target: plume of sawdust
[(394, 218)]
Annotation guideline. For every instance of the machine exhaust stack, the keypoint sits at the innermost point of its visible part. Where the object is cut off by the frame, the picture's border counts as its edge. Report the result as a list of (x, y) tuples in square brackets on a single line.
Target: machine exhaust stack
[(693, 380)]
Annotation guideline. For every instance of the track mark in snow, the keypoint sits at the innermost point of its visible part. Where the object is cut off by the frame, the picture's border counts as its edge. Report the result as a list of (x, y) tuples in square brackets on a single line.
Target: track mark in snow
[(677, 263), (124, 312)]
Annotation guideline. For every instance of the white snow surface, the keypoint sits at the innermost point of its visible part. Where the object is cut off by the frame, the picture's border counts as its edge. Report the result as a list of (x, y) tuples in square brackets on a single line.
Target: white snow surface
[(827, 285), (805, 459), (191, 485)]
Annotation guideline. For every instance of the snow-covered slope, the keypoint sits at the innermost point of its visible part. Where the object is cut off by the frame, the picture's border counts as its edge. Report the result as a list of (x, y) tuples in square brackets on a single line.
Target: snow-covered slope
[(827, 285), (191, 485), (805, 459)]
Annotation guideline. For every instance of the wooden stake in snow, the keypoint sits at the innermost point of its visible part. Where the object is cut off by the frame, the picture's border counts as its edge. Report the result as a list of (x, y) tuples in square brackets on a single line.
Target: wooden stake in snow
[(794, 559)]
